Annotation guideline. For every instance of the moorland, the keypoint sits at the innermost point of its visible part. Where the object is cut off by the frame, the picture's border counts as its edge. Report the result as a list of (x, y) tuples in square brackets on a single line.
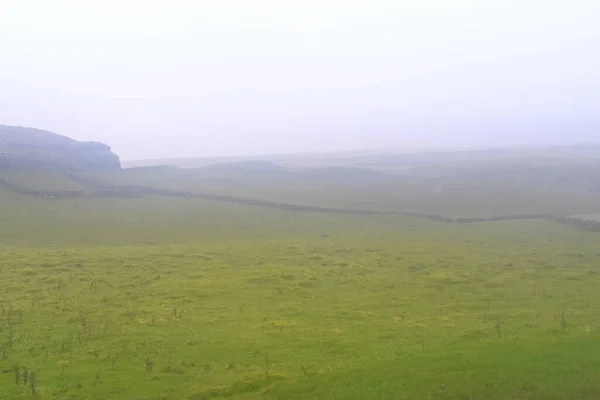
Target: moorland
[(440, 275)]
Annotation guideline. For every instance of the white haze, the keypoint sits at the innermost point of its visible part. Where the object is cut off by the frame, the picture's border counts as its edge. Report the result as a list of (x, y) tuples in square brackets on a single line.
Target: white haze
[(232, 77)]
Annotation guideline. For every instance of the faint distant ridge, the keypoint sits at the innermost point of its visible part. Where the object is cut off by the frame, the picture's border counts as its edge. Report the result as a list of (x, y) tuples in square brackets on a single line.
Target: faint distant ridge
[(29, 148), (245, 167)]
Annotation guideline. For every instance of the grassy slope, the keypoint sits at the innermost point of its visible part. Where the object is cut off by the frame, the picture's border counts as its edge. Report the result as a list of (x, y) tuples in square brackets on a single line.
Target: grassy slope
[(455, 197), (44, 180), (447, 197), (207, 292)]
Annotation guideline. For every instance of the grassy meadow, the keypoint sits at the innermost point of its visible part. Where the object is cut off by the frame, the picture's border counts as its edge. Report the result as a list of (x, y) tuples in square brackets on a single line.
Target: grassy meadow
[(172, 298), (453, 196)]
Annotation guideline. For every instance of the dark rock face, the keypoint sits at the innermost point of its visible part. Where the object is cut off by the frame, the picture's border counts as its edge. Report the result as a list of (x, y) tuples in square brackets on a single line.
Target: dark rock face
[(26, 148)]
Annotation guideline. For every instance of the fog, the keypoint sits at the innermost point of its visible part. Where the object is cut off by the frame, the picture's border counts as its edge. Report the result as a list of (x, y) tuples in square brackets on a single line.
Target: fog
[(234, 77)]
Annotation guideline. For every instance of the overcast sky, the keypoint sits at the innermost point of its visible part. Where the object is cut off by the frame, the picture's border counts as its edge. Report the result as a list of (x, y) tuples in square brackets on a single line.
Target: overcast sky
[(230, 77)]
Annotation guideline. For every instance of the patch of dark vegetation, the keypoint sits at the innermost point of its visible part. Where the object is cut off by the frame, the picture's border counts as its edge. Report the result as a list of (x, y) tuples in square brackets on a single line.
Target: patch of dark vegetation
[(238, 388), (116, 193), (590, 222)]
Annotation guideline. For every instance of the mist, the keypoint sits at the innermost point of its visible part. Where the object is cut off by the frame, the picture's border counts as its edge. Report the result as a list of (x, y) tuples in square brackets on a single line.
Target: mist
[(214, 78)]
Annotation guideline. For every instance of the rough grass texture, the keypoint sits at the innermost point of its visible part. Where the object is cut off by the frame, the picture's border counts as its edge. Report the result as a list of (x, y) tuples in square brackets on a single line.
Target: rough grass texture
[(166, 298)]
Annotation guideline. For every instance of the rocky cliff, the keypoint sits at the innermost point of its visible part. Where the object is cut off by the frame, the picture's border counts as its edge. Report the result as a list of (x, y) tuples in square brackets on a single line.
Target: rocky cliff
[(28, 148)]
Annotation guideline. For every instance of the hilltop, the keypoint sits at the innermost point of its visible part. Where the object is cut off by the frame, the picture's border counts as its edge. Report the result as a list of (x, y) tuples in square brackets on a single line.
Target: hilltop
[(28, 148)]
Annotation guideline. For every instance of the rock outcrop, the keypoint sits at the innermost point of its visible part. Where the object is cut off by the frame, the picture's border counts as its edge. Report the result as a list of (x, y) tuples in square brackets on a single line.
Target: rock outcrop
[(28, 148)]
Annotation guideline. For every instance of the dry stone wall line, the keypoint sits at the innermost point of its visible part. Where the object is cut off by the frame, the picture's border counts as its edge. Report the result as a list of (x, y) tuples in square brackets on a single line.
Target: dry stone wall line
[(63, 194), (145, 190), (579, 222), (107, 190)]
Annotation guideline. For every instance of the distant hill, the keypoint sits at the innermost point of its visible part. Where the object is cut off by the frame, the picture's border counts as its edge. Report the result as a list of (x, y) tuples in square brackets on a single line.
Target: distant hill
[(344, 172), (28, 148), (244, 167)]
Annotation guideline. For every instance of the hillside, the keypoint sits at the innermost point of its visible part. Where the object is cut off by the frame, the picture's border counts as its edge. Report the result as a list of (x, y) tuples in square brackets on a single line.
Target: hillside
[(256, 279), (452, 185), (175, 298), (477, 183), (29, 148)]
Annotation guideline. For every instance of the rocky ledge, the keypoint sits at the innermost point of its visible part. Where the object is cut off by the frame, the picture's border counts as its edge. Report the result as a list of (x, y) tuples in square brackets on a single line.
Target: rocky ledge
[(29, 148)]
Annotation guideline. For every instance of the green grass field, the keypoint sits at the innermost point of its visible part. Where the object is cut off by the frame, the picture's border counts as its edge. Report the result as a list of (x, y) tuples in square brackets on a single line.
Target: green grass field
[(450, 196), (172, 298)]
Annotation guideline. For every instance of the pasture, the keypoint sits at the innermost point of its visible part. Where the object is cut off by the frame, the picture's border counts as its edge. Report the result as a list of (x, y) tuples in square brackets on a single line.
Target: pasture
[(158, 298), (161, 297)]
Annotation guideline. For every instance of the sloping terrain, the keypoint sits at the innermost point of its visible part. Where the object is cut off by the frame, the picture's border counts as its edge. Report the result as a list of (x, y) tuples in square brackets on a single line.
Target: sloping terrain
[(188, 290), (510, 189), (28, 148), (166, 298), (450, 187)]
